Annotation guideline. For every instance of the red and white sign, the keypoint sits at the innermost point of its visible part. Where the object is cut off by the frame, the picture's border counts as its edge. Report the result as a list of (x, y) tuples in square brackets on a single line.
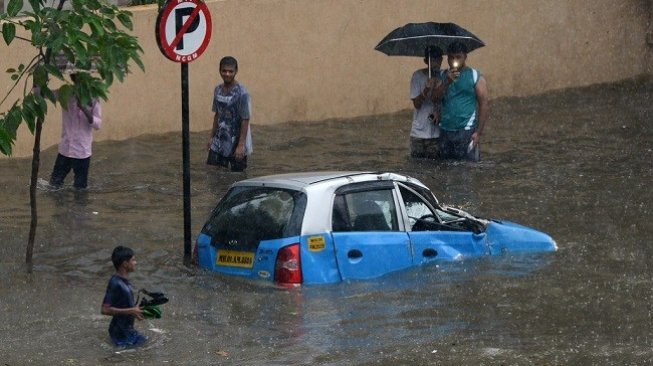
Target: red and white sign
[(183, 29)]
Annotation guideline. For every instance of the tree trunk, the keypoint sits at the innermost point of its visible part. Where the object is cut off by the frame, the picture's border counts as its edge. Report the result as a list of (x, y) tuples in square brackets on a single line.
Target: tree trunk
[(36, 157)]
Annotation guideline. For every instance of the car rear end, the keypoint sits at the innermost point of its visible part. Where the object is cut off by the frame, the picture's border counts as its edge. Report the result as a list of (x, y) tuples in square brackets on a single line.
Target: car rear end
[(255, 232)]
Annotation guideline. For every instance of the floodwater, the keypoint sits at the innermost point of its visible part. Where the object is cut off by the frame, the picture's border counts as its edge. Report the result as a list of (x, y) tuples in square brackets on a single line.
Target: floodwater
[(574, 163)]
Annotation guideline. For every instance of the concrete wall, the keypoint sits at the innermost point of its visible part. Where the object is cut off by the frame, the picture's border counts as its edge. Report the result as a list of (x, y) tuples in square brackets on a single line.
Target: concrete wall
[(306, 60)]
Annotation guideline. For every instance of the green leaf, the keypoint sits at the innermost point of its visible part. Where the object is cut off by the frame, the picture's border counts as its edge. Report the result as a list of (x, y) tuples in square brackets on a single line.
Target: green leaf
[(36, 4), (56, 44), (32, 102), (93, 5), (40, 75), (29, 115), (8, 32), (38, 39), (77, 22), (42, 106), (47, 93), (138, 61), (5, 140), (79, 50), (65, 92), (96, 28), (78, 5), (53, 70), (109, 25), (126, 20), (108, 11), (108, 78), (14, 7), (13, 120)]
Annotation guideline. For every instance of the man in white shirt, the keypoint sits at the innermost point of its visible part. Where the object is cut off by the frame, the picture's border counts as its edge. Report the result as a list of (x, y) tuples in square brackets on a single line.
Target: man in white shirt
[(426, 116)]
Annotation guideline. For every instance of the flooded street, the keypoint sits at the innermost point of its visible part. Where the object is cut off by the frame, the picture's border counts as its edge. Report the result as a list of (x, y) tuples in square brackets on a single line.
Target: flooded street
[(576, 164)]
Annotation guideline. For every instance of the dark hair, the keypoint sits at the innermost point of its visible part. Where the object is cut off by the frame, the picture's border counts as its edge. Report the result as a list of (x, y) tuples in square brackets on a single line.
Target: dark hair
[(434, 51), (457, 47), (121, 254), (228, 61)]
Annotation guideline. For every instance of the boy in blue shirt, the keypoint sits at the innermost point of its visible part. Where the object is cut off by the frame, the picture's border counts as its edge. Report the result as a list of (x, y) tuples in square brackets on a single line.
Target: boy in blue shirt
[(119, 301)]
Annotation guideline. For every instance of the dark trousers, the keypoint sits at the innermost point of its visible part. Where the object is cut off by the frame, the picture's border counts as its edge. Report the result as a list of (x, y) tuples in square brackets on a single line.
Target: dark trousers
[(216, 159), (454, 145), (62, 167)]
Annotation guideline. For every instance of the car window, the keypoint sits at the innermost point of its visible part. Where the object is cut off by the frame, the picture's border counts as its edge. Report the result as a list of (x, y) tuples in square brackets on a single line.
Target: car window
[(448, 216), (372, 210), (247, 216), (416, 208)]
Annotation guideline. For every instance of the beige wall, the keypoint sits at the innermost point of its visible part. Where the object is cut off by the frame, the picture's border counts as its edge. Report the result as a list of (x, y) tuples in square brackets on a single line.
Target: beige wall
[(307, 60)]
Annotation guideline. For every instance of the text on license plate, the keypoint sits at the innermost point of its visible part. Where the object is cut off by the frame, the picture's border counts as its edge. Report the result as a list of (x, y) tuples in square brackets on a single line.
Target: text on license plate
[(234, 258)]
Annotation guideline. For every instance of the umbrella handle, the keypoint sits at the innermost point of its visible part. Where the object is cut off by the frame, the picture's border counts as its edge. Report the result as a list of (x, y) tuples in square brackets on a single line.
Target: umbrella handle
[(429, 56)]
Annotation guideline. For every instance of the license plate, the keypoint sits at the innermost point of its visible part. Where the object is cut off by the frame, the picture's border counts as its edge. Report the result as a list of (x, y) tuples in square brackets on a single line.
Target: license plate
[(232, 258)]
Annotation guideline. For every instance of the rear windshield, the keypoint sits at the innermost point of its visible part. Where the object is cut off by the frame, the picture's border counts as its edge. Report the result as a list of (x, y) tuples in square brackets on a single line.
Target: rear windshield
[(248, 215)]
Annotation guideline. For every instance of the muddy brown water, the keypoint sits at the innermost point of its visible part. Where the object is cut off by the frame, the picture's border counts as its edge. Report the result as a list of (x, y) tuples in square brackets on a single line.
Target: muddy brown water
[(574, 163)]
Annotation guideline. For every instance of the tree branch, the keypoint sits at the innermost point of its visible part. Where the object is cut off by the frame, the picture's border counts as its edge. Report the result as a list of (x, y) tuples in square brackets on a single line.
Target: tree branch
[(22, 73)]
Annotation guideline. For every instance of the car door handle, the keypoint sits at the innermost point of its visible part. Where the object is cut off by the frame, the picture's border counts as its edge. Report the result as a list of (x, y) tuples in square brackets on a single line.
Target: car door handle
[(354, 254), (430, 253)]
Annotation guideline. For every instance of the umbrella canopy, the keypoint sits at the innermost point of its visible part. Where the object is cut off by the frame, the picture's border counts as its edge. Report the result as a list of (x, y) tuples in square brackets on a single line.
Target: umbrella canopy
[(413, 38)]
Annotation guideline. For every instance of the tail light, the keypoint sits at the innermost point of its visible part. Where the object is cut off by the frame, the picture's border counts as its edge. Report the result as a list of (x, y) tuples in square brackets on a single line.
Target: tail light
[(288, 269)]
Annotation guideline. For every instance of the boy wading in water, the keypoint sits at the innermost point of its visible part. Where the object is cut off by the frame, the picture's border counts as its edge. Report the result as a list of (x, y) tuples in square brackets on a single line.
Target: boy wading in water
[(231, 138), (119, 301)]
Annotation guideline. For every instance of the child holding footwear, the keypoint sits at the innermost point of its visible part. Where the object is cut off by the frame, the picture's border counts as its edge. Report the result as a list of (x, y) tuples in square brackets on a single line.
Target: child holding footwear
[(119, 301)]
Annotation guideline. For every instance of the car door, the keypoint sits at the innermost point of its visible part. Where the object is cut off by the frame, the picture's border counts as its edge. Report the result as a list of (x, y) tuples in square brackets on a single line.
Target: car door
[(435, 234), (365, 229)]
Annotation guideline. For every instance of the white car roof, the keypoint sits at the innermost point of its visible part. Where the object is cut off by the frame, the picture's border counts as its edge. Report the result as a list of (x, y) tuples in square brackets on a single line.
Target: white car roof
[(302, 181), (320, 188)]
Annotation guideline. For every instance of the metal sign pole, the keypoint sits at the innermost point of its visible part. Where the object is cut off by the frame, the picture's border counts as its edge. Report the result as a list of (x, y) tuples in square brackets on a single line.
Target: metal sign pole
[(183, 32), (186, 161)]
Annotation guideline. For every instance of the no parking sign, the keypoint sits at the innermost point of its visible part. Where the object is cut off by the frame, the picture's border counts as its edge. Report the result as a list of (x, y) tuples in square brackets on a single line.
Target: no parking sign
[(183, 30)]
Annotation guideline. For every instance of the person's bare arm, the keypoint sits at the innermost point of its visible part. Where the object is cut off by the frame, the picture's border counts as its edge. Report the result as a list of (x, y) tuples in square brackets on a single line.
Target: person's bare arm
[(214, 129), (93, 114), (110, 310), (418, 101), (441, 89), (242, 139), (483, 108)]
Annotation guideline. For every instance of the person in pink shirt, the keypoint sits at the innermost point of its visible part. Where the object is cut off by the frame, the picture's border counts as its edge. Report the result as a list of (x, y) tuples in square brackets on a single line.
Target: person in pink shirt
[(78, 123)]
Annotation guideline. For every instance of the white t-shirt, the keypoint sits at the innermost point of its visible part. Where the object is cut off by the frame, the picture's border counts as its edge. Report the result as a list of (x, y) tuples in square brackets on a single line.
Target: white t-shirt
[(423, 128)]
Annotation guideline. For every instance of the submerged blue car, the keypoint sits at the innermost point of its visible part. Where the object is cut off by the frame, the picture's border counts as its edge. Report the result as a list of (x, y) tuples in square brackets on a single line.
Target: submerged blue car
[(328, 227)]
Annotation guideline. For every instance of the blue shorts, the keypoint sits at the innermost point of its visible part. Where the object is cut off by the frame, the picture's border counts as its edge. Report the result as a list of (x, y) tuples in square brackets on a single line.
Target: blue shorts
[(132, 340), (454, 144)]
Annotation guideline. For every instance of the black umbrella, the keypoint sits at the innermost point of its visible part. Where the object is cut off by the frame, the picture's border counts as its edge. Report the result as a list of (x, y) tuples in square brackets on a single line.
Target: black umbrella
[(413, 38)]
